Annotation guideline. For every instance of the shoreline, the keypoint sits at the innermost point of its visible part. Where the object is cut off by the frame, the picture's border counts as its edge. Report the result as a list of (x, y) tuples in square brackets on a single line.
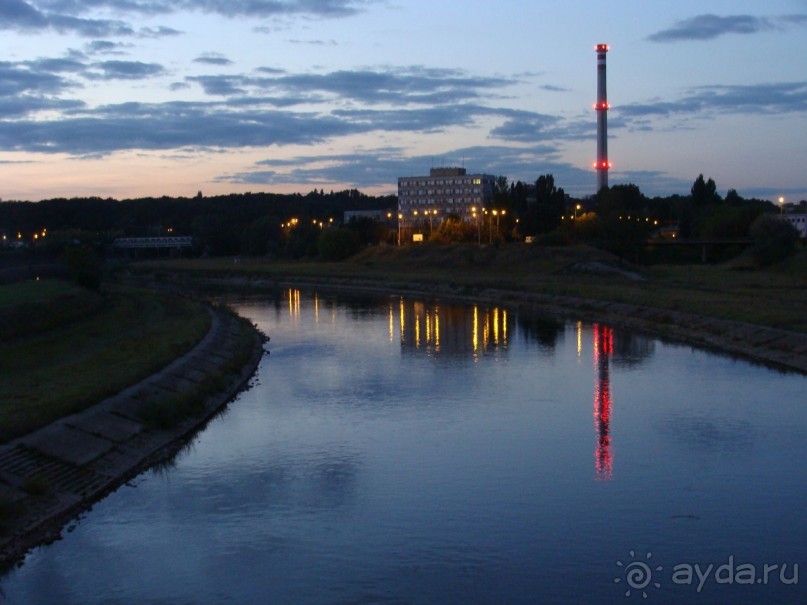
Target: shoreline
[(779, 349), (80, 459), (52, 475)]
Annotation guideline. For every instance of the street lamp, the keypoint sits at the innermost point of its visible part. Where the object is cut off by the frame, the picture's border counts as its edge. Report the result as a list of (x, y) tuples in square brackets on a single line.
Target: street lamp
[(782, 204), (400, 220), (478, 229)]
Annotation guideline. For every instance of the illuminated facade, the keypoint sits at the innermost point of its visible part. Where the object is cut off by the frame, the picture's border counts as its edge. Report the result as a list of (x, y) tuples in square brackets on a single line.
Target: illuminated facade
[(446, 191)]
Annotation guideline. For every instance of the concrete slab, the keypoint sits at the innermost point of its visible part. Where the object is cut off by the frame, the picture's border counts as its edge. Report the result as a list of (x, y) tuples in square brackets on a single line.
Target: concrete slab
[(207, 365), (107, 425), (127, 407), (174, 384), (68, 444), (10, 494), (152, 392), (196, 375)]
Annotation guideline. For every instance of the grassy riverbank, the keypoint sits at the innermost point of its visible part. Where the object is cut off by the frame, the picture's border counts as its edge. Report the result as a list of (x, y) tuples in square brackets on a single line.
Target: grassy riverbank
[(775, 296), (64, 348)]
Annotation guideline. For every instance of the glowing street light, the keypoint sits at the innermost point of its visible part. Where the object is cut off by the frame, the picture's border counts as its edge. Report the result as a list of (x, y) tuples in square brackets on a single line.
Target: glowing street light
[(782, 204)]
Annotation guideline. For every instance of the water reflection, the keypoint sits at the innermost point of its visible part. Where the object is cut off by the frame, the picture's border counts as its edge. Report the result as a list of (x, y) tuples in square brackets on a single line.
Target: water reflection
[(452, 330), (603, 350), (412, 451)]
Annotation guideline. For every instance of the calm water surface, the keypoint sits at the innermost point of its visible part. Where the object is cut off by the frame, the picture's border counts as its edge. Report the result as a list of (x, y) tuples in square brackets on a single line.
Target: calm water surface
[(401, 451)]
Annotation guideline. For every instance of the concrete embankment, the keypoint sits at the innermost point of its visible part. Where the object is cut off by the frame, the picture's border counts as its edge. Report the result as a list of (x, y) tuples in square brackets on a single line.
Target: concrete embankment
[(781, 349), (49, 476)]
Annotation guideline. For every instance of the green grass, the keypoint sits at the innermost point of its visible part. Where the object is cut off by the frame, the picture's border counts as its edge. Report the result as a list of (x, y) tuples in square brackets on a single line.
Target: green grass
[(33, 291), (108, 343), (775, 296), (37, 306)]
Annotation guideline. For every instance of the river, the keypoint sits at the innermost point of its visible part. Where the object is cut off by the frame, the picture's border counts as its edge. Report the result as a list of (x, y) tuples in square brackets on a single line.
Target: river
[(405, 451)]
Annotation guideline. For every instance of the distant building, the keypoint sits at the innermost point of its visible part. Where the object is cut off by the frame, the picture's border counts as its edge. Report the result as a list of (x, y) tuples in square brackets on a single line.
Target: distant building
[(799, 221), (446, 191)]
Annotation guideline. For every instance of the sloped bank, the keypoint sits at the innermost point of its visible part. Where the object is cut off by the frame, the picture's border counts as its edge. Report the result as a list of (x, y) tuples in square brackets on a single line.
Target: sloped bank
[(51, 475)]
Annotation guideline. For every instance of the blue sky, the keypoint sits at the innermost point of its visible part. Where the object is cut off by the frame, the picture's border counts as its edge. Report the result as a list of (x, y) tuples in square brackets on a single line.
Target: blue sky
[(128, 98)]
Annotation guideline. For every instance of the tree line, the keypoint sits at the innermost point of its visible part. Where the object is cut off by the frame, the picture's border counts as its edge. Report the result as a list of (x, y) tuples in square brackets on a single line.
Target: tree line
[(619, 218)]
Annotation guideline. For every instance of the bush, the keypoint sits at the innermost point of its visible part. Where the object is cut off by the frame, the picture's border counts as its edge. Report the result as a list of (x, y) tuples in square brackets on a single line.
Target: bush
[(337, 244), (774, 239), (83, 266), (454, 231)]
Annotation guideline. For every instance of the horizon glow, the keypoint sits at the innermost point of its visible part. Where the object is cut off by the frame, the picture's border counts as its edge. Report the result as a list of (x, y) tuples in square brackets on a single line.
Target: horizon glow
[(132, 98)]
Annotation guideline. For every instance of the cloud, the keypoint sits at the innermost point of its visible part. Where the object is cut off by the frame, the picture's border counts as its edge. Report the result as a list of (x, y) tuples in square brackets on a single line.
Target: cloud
[(213, 59), (125, 70), (222, 85), (709, 27), (22, 78), (23, 16), (272, 8), (158, 32), (773, 98), (314, 42), (168, 126), (75, 16), (392, 86), (382, 167), (104, 47), (229, 8), (530, 127), (17, 107), (551, 88)]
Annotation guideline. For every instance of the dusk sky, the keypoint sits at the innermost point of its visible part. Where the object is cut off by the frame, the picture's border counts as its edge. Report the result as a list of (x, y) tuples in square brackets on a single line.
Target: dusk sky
[(131, 98)]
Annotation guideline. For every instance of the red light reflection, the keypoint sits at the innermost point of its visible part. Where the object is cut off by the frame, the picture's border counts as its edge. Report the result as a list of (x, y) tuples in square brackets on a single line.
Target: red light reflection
[(603, 349)]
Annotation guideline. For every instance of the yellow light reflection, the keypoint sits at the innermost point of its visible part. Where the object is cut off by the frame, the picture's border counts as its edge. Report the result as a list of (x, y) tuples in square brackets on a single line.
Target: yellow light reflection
[(579, 338), (486, 332), (475, 334), (403, 322), (437, 328)]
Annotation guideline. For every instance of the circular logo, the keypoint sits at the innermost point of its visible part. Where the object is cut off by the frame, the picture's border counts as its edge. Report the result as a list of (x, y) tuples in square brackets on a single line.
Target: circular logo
[(637, 574)]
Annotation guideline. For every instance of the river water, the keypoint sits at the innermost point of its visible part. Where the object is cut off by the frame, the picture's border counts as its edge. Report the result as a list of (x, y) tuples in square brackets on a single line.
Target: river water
[(400, 451)]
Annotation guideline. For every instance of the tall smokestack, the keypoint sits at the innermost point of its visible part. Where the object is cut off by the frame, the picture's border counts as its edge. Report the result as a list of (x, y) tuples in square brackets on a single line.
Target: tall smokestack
[(602, 164)]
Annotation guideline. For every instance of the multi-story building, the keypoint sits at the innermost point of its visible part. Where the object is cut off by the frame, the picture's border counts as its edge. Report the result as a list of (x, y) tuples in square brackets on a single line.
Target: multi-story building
[(445, 192), (799, 221)]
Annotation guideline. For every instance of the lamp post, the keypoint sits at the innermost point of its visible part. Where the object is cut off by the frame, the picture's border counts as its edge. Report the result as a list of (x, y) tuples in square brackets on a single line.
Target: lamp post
[(400, 220), (478, 229), (781, 204)]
